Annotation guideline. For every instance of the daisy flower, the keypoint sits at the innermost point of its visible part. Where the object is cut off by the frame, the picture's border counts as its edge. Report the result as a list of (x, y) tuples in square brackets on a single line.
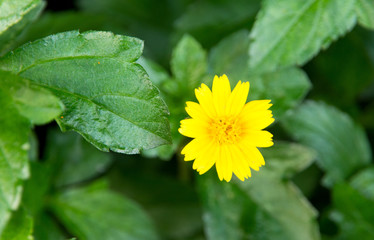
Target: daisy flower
[(226, 130)]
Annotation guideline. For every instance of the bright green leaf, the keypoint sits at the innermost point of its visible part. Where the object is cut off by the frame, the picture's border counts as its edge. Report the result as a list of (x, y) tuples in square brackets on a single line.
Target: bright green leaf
[(365, 13), (19, 227), (73, 159), (353, 213), (94, 212), (266, 206), (289, 32), (341, 145), (108, 98), (15, 15), (286, 88), (364, 182), (14, 144)]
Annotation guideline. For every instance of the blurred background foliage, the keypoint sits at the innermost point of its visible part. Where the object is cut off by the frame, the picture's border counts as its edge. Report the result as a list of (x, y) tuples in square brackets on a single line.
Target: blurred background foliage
[(314, 59)]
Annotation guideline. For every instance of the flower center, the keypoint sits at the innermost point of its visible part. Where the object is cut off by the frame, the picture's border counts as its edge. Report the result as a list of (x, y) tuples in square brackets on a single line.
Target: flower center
[(225, 130)]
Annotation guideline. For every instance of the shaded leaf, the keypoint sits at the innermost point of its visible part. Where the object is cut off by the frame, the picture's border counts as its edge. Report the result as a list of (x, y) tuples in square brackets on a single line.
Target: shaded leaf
[(286, 88), (73, 159), (365, 13), (15, 15), (341, 144), (109, 99), (46, 228), (364, 182), (94, 212), (352, 213), (209, 21), (291, 32)]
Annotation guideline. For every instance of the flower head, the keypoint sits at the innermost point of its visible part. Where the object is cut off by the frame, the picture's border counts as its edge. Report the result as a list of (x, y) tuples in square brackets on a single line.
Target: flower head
[(227, 131)]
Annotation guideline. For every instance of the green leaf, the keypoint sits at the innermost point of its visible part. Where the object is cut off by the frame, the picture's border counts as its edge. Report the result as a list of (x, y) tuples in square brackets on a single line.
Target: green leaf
[(33, 102), (286, 159), (14, 145), (291, 32), (15, 15), (365, 13), (188, 64), (176, 215), (73, 159), (210, 21), (267, 206), (46, 228), (94, 212), (286, 88), (109, 99), (19, 227), (364, 182), (341, 145), (353, 213)]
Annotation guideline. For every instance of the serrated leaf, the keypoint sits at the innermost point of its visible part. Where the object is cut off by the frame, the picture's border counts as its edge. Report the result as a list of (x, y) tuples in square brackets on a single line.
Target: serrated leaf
[(286, 87), (267, 206), (291, 32), (15, 15), (341, 144), (365, 13), (73, 159), (95, 212), (19, 227), (108, 98)]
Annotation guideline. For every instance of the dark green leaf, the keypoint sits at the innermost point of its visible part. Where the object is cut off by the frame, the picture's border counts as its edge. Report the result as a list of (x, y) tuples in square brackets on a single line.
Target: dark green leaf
[(291, 32), (94, 212), (286, 88), (19, 227), (209, 21), (266, 206), (46, 228), (364, 182), (15, 15), (365, 13), (353, 213), (109, 99), (73, 159), (341, 145)]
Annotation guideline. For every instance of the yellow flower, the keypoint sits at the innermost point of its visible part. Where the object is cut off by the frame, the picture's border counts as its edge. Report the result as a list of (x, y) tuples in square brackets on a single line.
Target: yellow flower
[(227, 131)]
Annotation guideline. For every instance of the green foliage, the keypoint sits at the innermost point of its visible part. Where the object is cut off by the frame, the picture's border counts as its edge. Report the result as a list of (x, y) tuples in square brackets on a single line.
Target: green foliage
[(365, 13), (291, 32), (95, 81), (14, 16), (90, 211), (108, 99), (334, 136), (286, 87)]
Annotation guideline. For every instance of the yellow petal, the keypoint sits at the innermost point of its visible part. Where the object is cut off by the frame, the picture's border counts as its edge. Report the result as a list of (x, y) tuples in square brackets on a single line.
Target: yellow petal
[(227, 163), (221, 91), (193, 148), (255, 114), (205, 98), (205, 157), (196, 111), (193, 128), (237, 99), (260, 138), (243, 171)]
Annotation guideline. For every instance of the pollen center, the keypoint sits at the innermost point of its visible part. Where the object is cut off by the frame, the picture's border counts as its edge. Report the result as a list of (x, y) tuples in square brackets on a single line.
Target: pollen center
[(225, 130)]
